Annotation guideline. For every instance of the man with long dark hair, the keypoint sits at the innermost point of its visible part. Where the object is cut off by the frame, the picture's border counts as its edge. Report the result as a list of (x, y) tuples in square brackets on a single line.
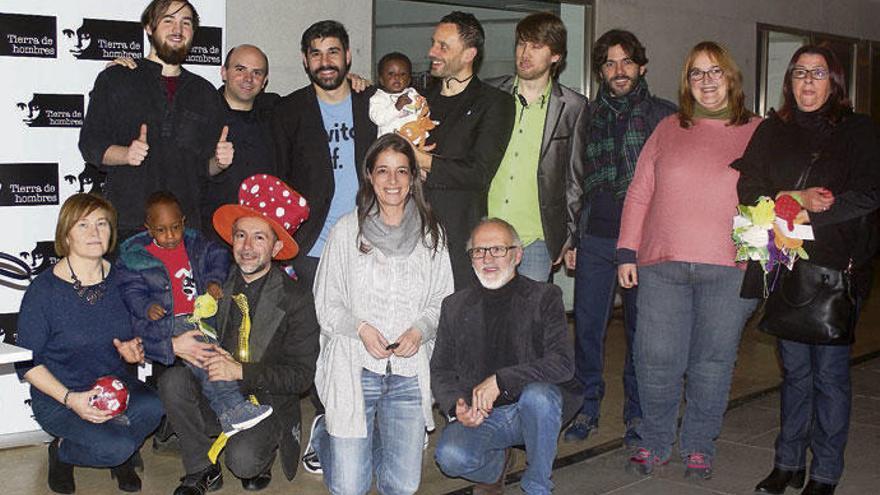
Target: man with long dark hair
[(622, 117)]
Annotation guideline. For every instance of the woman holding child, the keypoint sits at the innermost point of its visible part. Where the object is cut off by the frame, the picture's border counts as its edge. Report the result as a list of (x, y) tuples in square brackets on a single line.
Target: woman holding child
[(74, 321), (381, 279)]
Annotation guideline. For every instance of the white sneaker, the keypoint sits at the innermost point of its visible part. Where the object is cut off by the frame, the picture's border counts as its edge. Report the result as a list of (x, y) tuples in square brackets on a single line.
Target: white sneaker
[(310, 460)]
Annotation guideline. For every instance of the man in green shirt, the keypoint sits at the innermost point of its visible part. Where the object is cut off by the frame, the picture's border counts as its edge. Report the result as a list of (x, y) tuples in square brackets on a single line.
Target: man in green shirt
[(537, 188)]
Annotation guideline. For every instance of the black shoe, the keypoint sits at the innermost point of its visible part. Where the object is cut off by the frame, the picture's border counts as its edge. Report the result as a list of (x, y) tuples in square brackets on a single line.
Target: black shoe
[(60, 473), (779, 480), (207, 480), (818, 488), (258, 482), (125, 476), (137, 461)]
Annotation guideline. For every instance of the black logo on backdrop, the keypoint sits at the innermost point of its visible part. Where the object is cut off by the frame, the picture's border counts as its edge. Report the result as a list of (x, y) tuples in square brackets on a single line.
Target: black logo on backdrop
[(50, 110), (8, 327), (28, 184), (207, 47), (28, 36), (17, 271), (102, 39), (14, 272), (90, 180), (40, 257)]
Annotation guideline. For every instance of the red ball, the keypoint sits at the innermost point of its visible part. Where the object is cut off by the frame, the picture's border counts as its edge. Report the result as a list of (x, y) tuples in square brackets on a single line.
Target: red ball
[(112, 397)]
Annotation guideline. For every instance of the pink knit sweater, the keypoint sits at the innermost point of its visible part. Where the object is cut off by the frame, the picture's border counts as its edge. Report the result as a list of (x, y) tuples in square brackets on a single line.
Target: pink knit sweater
[(681, 202)]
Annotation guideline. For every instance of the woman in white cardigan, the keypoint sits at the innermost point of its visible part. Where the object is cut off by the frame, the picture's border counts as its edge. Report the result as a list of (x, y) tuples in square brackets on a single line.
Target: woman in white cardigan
[(383, 274)]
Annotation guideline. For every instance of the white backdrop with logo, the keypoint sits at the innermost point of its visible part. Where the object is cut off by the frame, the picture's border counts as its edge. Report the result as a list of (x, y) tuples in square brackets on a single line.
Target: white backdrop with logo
[(50, 53)]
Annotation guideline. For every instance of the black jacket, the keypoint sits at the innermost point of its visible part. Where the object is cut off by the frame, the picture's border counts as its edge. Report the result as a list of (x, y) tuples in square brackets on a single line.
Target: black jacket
[(182, 137), (471, 142), (848, 164), (283, 348), (251, 135), (561, 166), (544, 349), (303, 155)]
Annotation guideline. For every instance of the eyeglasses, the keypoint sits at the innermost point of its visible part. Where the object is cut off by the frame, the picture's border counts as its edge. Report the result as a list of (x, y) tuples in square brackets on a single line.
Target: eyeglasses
[(479, 253), (819, 73), (714, 74)]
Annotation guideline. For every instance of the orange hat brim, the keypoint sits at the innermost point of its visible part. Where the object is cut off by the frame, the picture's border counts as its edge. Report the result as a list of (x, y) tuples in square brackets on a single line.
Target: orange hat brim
[(226, 216)]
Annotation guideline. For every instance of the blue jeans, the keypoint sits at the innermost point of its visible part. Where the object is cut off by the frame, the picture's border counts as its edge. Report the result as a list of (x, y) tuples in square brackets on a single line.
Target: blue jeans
[(393, 445), (477, 454), (816, 400), (594, 285), (536, 263), (100, 445), (221, 395), (690, 322)]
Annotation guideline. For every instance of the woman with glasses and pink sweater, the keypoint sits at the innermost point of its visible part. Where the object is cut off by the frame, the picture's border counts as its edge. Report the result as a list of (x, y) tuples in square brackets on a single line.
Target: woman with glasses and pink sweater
[(675, 244)]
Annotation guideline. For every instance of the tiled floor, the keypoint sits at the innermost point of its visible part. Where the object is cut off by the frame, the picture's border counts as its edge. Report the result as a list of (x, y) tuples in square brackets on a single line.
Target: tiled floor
[(745, 450)]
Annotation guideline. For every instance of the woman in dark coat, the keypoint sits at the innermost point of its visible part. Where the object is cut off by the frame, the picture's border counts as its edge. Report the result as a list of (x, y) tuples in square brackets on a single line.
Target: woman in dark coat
[(816, 125)]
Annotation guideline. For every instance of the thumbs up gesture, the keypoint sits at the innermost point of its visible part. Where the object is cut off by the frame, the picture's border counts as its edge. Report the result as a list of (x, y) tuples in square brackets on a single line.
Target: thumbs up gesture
[(224, 152), (138, 148)]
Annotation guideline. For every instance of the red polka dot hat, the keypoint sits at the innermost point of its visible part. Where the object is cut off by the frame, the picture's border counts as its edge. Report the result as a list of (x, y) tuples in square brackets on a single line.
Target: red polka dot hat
[(266, 196)]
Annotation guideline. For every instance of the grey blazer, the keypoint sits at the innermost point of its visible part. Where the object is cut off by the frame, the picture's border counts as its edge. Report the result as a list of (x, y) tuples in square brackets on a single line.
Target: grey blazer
[(561, 167)]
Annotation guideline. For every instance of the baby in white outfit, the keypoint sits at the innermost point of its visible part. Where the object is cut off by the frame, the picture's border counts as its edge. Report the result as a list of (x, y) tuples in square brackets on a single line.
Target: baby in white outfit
[(395, 102)]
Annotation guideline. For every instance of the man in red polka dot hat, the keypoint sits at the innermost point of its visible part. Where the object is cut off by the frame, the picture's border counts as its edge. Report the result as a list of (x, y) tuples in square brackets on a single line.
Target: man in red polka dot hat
[(265, 197), (268, 337)]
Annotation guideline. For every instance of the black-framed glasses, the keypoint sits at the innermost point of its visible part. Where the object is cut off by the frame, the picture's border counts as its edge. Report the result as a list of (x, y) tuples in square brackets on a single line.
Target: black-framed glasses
[(819, 73), (714, 74), (479, 253)]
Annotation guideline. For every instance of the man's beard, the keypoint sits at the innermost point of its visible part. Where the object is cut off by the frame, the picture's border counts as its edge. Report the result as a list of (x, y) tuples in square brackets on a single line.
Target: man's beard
[(332, 83), (171, 56), (634, 81), (503, 277)]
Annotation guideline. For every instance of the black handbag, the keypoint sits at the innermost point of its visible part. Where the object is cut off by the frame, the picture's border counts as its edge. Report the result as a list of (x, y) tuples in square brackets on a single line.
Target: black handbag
[(811, 304)]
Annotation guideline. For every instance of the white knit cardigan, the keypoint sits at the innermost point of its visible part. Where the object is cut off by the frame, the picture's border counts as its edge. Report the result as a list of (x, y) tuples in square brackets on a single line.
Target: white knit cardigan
[(392, 294)]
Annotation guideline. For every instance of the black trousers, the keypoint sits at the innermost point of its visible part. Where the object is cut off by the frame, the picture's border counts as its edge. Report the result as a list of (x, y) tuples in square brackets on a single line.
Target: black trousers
[(248, 453)]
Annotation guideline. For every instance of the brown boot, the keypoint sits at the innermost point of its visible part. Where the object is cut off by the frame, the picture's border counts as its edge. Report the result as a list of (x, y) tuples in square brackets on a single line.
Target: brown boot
[(496, 488)]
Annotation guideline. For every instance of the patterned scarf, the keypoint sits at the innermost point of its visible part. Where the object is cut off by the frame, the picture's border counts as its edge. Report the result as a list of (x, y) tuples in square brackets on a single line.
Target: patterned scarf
[(612, 155)]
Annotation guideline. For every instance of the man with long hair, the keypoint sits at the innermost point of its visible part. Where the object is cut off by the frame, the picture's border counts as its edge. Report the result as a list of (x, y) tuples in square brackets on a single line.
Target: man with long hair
[(622, 117), (537, 187)]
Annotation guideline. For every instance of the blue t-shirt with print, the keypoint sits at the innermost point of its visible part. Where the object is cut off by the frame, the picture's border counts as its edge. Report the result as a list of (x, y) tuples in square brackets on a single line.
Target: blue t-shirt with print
[(339, 124)]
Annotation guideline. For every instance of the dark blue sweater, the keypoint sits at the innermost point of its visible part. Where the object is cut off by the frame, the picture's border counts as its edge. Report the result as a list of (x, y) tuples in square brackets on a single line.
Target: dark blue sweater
[(70, 337)]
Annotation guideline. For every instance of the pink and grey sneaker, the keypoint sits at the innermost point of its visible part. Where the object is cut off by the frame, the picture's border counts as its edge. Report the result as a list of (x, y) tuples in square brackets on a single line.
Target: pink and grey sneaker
[(643, 462), (699, 466)]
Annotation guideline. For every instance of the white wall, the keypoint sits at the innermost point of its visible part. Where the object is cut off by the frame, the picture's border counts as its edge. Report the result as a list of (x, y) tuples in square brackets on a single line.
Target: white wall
[(276, 26), (669, 28)]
